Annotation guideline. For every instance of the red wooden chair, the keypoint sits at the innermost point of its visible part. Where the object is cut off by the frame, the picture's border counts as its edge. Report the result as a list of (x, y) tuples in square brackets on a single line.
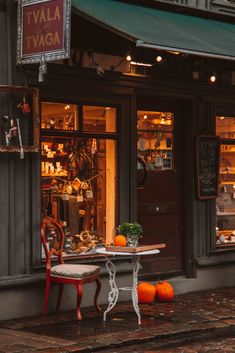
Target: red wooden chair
[(65, 273)]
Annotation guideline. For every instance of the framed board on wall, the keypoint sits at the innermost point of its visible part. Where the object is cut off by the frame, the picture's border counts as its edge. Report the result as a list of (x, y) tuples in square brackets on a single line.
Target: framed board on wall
[(19, 119), (207, 166)]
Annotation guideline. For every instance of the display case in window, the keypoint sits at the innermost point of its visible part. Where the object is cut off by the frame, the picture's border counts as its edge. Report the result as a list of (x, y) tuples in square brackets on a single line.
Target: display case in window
[(78, 183), (225, 202), (19, 119)]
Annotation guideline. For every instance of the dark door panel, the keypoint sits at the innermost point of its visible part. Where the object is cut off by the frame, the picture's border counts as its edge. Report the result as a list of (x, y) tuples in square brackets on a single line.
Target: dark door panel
[(159, 205)]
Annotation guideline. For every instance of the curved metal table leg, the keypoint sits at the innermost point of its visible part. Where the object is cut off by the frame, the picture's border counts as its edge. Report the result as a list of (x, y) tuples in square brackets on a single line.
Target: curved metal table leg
[(113, 294), (136, 266)]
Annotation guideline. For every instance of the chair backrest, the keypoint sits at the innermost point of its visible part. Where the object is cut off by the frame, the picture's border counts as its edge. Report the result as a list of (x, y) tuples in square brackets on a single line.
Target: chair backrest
[(52, 233)]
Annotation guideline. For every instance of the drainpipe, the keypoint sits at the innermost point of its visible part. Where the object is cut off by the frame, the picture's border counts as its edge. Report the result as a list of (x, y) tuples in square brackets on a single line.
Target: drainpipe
[(9, 41)]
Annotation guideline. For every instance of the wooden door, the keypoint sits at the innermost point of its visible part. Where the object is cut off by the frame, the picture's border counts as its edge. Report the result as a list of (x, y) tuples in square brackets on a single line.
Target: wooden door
[(159, 174)]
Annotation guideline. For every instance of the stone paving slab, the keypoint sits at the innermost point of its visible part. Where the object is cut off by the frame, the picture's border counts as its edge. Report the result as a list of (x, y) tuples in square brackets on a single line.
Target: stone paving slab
[(189, 314)]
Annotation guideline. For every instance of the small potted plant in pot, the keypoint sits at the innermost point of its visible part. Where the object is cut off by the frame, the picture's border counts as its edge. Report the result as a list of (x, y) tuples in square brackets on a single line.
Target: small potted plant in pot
[(132, 231)]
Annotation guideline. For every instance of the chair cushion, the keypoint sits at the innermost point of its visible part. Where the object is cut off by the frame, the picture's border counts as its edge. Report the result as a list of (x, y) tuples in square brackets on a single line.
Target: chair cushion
[(74, 271)]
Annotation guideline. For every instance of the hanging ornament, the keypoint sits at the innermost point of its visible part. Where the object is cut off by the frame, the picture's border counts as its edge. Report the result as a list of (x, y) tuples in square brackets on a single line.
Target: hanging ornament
[(84, 185), (65, 196), (89, 192), (24, 106), (76, 184), (80, 197)]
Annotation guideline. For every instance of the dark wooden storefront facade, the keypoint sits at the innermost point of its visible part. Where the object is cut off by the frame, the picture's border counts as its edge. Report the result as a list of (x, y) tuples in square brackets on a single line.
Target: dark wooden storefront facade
[(167, 205)]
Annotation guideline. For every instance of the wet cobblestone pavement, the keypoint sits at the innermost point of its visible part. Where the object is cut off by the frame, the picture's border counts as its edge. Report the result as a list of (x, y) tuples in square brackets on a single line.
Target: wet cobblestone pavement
[(195, 322)]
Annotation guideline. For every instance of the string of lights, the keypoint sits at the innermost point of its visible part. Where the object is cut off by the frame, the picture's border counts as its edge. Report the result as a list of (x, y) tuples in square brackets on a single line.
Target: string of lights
[(133, 59)]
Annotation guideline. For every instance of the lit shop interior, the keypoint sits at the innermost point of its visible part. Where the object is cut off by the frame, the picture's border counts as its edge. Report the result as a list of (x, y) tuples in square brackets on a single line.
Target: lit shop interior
[(225, 202), (78, 169), (155, 140), (78, 174)]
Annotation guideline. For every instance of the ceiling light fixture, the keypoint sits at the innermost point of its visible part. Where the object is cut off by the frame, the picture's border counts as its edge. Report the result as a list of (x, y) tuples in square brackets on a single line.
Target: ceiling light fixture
[(174, 52), (136, 63)]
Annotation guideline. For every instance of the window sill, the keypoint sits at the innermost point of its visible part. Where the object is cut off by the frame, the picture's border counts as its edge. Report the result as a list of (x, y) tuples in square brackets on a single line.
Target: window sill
[(218, 257)]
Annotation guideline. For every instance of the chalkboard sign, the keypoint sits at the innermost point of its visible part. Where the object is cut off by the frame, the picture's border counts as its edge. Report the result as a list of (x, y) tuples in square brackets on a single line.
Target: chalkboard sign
[(207, 157)]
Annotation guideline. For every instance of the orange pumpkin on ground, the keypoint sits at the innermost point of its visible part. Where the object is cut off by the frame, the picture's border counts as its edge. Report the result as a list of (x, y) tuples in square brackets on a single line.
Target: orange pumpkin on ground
[(164, 291), (119, 240), (146, 293)]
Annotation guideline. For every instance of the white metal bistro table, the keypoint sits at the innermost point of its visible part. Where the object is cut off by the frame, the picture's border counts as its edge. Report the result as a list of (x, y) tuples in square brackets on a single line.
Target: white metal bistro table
[(114, 291)]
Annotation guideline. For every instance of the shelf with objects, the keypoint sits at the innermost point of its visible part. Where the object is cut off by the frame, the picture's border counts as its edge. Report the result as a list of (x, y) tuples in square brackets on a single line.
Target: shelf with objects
[(225, 201), (77, 169), (155, 140), (19, 119)]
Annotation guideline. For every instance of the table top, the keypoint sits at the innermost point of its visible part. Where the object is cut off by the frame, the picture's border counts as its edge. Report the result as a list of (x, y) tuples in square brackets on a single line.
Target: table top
[(141, 253)]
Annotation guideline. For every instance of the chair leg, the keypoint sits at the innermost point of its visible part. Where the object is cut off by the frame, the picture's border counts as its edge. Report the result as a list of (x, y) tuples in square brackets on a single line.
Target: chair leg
[(98, 289), (47, 290), (79, 287), (59, 297)]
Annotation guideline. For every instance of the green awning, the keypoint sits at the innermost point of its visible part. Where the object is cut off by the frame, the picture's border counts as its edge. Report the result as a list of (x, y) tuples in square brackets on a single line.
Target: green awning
[(153, 28)]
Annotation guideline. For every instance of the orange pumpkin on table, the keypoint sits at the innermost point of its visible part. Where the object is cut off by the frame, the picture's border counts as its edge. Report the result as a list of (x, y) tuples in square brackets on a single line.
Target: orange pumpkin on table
[(146, 293), (164, 291), (120, 240)]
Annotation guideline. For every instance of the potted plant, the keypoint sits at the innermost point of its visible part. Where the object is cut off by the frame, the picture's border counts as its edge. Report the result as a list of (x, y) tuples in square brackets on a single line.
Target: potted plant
[(132, 231)]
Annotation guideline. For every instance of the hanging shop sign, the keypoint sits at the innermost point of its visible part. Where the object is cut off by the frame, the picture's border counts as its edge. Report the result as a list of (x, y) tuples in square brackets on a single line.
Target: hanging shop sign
[(207, 163), (43, 32)]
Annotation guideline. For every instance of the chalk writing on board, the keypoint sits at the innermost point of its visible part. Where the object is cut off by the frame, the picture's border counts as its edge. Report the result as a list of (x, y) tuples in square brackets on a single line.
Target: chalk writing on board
[(207, 154)]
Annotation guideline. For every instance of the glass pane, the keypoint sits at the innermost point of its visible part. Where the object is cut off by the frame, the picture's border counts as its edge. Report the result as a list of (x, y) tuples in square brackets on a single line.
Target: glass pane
[(225, 127), (99, 119), (76, 174), (59, 116), (225, 202), (155, 139)]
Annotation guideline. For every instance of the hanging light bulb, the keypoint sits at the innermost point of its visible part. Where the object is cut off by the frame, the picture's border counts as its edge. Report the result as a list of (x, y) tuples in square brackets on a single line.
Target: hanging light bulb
[(212, 78), (159, 59)]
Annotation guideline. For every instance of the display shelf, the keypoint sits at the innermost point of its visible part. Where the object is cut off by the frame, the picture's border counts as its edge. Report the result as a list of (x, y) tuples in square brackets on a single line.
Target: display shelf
[(226, 173), (225, 213), (156, 149), (54, 175)]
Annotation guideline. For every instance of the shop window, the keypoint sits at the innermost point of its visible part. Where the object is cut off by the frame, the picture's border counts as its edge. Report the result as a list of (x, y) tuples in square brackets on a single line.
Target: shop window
[(155, 140), (59, 116), (78, 181), (99, 119), (225, 202)]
